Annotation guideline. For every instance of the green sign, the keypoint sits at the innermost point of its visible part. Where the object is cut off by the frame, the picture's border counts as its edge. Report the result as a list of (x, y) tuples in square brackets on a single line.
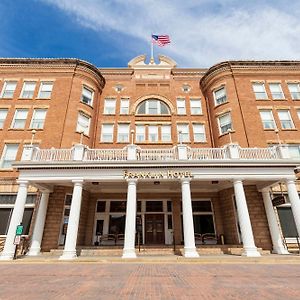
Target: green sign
[(19, 230)]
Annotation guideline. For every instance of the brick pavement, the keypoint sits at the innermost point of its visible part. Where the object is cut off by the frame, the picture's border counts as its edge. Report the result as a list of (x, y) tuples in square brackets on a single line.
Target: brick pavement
[(149, 281)]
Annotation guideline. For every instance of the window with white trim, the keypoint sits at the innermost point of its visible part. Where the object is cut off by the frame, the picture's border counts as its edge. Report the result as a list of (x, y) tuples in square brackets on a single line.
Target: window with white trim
[(225, 123), (87, 95), (294, 150), (153, 133), (124, 106), (199, 133), (8, 89), (183, 133), (298, 113), (267, 119), (276, 90), (152, 106), (140, 133), (28, 89), (83, 123), (220, 96), (259, 91), (181, 106), (107, 133), (123, 133), (9, 155), (45, 90), (285, 119), (166, 133), (38, 118), (196, 108), (109, 106), (294, 89), (19, 120), (3, 115)]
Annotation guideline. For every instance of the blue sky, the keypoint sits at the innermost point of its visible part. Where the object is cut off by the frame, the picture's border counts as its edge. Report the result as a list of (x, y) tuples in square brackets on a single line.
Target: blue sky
[(108, 33)]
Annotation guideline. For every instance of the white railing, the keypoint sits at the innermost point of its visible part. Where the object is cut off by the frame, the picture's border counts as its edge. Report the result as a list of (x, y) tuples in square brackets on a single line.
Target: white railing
[(207, 153), (258, 153), (105, 154), (52, 154), (157, 154)]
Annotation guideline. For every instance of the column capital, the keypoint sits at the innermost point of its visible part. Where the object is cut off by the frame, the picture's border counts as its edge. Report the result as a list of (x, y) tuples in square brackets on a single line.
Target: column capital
[(237, 181), (78, 181), (290, 180), (185, 180), (22, 182), (132, 180)]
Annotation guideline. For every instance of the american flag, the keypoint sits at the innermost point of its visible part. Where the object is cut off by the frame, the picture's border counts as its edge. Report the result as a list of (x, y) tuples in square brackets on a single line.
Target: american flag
[(160, 40)]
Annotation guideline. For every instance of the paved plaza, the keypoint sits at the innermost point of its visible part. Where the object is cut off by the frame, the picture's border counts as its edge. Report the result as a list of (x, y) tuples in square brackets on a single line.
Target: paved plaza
[(94, 280)]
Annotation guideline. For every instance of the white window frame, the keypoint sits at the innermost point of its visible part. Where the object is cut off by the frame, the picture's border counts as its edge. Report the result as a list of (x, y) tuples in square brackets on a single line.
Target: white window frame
[(199, 133), (224, 127), (181, 107), (294, 148), (87, 99), (295, 95), (153, 133), (38, 123), (3, 116), (276, 95), (166, 133), (283, 122), (8, 158), (17, 119), (259, 94), (184, 136), (83, 123), (107, 136), (298, 113), (45, 94), (123, 132), (196, 109), (124, 106), (28, 93), (140, 133), (220, 99), (270, 121), (109, 106), (12, 91)]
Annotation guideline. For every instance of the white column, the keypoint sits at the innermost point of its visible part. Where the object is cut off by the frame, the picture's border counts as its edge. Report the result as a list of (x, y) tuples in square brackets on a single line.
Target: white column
[(244, 220), (188, 223), (129, 242), (16, 218), (39, 225), (278, 246), (295, 202), (71, 238)]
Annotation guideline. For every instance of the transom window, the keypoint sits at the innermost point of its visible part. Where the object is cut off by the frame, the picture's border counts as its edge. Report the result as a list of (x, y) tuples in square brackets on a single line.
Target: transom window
[(220, 96), (267, 119), (28, 89), (8, 89), (294, 89), (225, 123), (285, 119), (259, 91), (87, 96), (153, 107), (276, 90)]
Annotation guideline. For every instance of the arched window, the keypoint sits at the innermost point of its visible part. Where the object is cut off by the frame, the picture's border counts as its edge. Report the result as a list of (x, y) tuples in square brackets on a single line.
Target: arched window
[(153, 106)]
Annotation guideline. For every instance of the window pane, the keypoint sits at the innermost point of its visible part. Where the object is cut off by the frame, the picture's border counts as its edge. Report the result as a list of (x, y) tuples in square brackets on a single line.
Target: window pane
[(27, 220), (220, 96), (124, 107), (181, 106), (196, 107), (101, 206), (118, 206), (203, 224), (225, 123), (9, 155), (201, 206), (9, 89), (285, 119), (153, 133), (45, 90), (4, 220), (3, 114), (110, 106), (294, 90), (20, 118), (83, 124), (154, 206), (28, 90), (259, 91), (166, 133), (123, 133), (276, 91), (38, 118), (117, 224), (87, 96), (267, 119), (107, 133), (184, 136), (152, 107), (140, 133), (199, 133)]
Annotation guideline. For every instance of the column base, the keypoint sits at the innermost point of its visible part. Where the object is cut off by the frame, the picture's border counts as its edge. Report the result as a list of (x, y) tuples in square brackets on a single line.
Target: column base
[(251, 252), (129, 253), (190, 252), (68, 255), (281, 251), (7, 256), (34, 252)]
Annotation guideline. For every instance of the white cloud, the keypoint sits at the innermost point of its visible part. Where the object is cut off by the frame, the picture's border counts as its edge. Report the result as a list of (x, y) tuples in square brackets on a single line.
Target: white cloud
[(203, 32)]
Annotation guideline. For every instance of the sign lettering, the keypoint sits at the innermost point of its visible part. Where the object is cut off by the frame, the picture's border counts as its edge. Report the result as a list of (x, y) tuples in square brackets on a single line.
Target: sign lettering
[(169, 174)]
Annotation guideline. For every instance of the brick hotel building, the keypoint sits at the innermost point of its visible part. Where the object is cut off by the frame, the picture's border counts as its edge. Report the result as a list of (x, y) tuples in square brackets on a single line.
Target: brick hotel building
[(91, 156)]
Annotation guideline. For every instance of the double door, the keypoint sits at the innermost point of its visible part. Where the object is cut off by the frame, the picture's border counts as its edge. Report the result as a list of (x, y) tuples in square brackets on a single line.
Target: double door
[(154, 229)]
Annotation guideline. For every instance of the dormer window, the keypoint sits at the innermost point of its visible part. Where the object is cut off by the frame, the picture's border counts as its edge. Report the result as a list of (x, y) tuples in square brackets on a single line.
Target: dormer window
[(153, 107)]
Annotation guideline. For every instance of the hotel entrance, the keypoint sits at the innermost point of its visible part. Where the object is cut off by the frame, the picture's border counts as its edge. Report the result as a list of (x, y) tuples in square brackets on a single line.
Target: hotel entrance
[(154, 231)]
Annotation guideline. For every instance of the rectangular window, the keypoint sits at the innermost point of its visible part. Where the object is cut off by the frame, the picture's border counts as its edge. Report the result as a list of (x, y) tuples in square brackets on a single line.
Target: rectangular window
[(225, 123), (28, 90), (124, 106), (196, 108), (87, 96), (259, 91), (8, 89), (38, 118), (140, 133), (298, 114), (276, 91), (220, 96), (294, 89), (166, 133), (45, 90), (183, 133), (19, 120), (285, 119), (199, 133), (267, 119), (9, 155), (83, 124), (181, 106), (3, 114), (107, 133), (110, 106), (123, 133), (153, 133), (294, 151)]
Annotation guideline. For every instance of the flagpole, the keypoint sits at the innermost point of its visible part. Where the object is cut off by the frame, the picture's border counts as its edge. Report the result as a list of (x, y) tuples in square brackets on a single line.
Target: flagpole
[(152, 55)]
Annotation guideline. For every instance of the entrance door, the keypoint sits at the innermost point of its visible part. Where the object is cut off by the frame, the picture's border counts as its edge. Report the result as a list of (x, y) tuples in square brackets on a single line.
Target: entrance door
[(154, 229)]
